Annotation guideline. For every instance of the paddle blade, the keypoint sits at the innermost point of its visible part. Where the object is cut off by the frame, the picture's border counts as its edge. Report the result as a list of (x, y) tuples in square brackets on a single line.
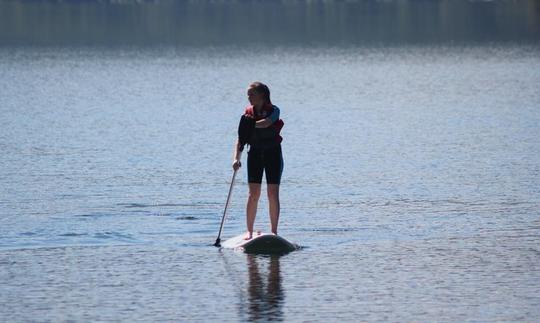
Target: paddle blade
[(218, 243)]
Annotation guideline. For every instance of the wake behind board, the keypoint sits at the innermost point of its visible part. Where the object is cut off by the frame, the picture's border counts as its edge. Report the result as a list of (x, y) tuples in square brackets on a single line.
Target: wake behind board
[(265, 243)]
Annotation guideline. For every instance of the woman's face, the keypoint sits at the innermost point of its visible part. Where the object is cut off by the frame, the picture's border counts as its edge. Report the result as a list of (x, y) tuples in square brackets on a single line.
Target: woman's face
[(255, 98)]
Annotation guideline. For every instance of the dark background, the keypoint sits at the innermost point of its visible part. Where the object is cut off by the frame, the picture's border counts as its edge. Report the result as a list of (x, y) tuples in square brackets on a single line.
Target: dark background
[(217, 23)]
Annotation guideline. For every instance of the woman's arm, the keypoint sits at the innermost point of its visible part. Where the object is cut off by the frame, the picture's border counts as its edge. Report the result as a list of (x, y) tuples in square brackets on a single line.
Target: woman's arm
[(267, 122), (236, 156), (264, 123)]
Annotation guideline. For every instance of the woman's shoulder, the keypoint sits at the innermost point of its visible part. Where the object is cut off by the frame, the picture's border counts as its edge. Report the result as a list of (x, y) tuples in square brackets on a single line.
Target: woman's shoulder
[(275, 110)]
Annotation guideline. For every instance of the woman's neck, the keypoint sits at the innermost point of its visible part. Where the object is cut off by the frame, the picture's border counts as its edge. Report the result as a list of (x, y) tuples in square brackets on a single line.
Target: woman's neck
[(258, 108)]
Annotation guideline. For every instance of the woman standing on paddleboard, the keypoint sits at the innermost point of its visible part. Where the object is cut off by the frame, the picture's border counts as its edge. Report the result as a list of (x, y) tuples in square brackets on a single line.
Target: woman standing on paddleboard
[(261, 118)]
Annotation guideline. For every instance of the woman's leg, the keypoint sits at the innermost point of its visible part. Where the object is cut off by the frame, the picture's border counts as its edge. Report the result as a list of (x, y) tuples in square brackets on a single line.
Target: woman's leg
[(274, 168), (251, 207), (255, 173), (273, 203)]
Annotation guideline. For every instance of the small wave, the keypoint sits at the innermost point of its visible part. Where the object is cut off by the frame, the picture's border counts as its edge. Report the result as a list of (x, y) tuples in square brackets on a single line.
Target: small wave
[(161, 214), (192, 205), (187, 218), (73, 234), (90, 215), (113, 235), (331, 229), (28, 234)]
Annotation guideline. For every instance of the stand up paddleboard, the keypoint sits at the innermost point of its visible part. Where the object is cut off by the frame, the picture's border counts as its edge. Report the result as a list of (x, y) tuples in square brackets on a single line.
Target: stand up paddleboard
[(265, 243)]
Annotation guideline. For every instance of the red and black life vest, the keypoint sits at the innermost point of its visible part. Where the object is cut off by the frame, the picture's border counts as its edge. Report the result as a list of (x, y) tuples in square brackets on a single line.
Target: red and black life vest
[(260, 137)]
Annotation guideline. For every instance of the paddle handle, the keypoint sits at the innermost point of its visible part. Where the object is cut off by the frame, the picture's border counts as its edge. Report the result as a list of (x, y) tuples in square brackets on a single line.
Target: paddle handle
[(217, 243)]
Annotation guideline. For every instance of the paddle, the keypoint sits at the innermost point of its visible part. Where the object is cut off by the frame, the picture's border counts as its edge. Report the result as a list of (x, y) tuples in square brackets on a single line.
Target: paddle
[(246, 126), (218, 240)]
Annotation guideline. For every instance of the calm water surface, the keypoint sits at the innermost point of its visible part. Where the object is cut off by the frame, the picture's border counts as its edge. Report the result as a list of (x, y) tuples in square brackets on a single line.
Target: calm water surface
[(411, 180)]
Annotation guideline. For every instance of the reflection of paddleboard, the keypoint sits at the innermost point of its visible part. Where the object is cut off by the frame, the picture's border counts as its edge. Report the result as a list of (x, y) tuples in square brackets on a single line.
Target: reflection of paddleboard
[(262, 243)]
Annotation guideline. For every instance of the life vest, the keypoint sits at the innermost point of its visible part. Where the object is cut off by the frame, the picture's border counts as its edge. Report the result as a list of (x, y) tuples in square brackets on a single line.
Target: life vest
[(264, 137)]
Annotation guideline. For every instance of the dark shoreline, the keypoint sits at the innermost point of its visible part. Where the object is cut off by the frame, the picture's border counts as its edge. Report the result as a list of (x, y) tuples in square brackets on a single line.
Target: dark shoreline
[(273, 23)]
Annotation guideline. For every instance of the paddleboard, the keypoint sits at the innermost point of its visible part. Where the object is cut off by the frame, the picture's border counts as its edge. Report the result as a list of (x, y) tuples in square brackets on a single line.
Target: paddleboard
[(265, 243)]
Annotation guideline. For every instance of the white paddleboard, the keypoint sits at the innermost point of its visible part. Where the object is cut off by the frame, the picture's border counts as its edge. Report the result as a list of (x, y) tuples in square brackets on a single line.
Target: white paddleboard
[(260, 243)]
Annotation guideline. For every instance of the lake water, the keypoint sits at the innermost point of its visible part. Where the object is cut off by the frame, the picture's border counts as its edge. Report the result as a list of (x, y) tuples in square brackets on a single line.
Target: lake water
[(411, 181)]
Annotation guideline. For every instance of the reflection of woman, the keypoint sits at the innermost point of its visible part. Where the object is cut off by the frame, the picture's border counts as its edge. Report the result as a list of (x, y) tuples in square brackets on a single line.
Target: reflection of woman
[(265, 304), (264, 154)]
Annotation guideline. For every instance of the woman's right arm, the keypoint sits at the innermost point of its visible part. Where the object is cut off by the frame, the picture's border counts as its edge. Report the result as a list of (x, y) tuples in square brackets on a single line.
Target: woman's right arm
[(236, 156), (267, 122)]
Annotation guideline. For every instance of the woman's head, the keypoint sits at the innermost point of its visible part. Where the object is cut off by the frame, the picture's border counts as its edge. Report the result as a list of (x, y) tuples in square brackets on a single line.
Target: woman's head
[(258, 94)]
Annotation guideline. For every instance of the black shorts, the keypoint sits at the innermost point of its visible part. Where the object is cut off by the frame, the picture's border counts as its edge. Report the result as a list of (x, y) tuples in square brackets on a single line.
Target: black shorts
[(269, 160)]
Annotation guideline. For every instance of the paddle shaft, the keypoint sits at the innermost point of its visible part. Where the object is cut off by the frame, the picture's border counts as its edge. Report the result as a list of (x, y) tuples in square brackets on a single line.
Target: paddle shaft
[(217, 244)]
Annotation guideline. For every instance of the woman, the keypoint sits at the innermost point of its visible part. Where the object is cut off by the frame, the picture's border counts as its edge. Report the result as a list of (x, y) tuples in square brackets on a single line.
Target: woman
[(264, 154)]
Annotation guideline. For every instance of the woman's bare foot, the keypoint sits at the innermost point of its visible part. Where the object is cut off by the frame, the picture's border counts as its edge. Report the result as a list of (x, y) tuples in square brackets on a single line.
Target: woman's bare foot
[(248, 235)]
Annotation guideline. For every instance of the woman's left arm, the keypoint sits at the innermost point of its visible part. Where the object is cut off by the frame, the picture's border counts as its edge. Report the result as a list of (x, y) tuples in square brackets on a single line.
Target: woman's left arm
[(267, 122)]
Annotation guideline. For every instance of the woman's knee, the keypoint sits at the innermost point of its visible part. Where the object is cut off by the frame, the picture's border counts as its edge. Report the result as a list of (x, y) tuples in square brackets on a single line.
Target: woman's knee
[(254, 192), (273, 191), (254, 196)]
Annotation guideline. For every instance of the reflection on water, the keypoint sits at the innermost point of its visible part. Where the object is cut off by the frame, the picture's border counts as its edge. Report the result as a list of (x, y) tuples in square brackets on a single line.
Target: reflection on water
[(258, 286), (265, 294)]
